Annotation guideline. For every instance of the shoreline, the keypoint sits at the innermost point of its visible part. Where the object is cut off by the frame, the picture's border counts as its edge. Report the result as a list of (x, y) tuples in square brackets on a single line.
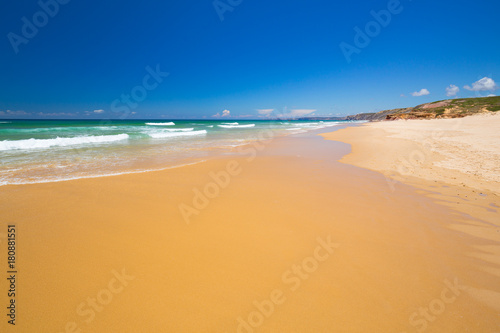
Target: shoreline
[(387, 147), (165, 161), (460, 146), (421, 152), (328, 245)]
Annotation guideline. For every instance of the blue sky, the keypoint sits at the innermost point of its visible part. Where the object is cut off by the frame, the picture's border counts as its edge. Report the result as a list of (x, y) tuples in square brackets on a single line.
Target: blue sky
[(240, 55)]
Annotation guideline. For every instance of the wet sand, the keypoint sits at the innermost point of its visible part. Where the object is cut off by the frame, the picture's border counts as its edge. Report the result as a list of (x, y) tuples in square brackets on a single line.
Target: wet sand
[(292, 241)]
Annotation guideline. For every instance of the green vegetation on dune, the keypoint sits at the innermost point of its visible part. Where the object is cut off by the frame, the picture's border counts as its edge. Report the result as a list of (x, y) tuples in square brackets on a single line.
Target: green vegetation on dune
[(453, 108)]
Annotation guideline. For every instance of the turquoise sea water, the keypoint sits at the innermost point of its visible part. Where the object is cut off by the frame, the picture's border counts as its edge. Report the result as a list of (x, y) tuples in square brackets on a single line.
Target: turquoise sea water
[(34, 151)]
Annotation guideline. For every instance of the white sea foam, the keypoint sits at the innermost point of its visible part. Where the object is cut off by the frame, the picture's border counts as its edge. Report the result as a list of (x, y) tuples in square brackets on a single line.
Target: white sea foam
[(161, 124), (163, 135), (5, 122), (236, 126), (69, 178), (178, 129), (58, 142), (229, 123), (312, 126)]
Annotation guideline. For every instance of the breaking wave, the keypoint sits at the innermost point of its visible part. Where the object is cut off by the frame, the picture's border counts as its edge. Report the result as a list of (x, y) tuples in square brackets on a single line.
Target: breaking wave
[(58, 142)]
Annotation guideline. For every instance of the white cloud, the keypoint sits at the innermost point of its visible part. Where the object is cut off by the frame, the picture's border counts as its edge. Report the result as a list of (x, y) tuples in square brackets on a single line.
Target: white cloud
[(225, 113), (88, 113), (402, 95), (301, 112), (491, 95), (485, 83), (295, 113), (13, 113), (57, 114), (265, 112), (422, 92), (452, 90)]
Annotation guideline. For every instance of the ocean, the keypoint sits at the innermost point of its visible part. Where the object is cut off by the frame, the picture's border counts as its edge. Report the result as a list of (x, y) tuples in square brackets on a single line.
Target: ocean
[(38, 151)]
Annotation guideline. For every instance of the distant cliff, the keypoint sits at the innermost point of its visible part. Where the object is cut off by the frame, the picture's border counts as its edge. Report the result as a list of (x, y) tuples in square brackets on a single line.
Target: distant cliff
[(374, 116), (451, 108)]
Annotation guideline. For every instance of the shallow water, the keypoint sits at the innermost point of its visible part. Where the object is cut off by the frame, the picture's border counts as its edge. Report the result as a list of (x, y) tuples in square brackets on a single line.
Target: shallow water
[(35, 151)]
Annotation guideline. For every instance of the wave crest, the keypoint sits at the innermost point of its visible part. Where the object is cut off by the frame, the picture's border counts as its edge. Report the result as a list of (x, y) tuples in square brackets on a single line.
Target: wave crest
[(161, 124), (237, 126), (179, 129), (58, 142), (164, 135)]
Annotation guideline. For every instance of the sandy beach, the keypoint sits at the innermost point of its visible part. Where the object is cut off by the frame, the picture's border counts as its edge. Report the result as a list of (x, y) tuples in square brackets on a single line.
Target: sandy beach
[(461, 151), (281, 237), (456, 160), (235, 166)]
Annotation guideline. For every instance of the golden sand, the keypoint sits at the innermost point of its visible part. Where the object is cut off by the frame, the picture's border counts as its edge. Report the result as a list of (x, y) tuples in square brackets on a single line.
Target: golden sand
[(294, 242)]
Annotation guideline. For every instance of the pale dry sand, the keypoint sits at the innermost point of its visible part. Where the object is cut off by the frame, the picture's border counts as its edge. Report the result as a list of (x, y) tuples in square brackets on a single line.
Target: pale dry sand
[(397, 251), (462, 151), (457, 161)]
